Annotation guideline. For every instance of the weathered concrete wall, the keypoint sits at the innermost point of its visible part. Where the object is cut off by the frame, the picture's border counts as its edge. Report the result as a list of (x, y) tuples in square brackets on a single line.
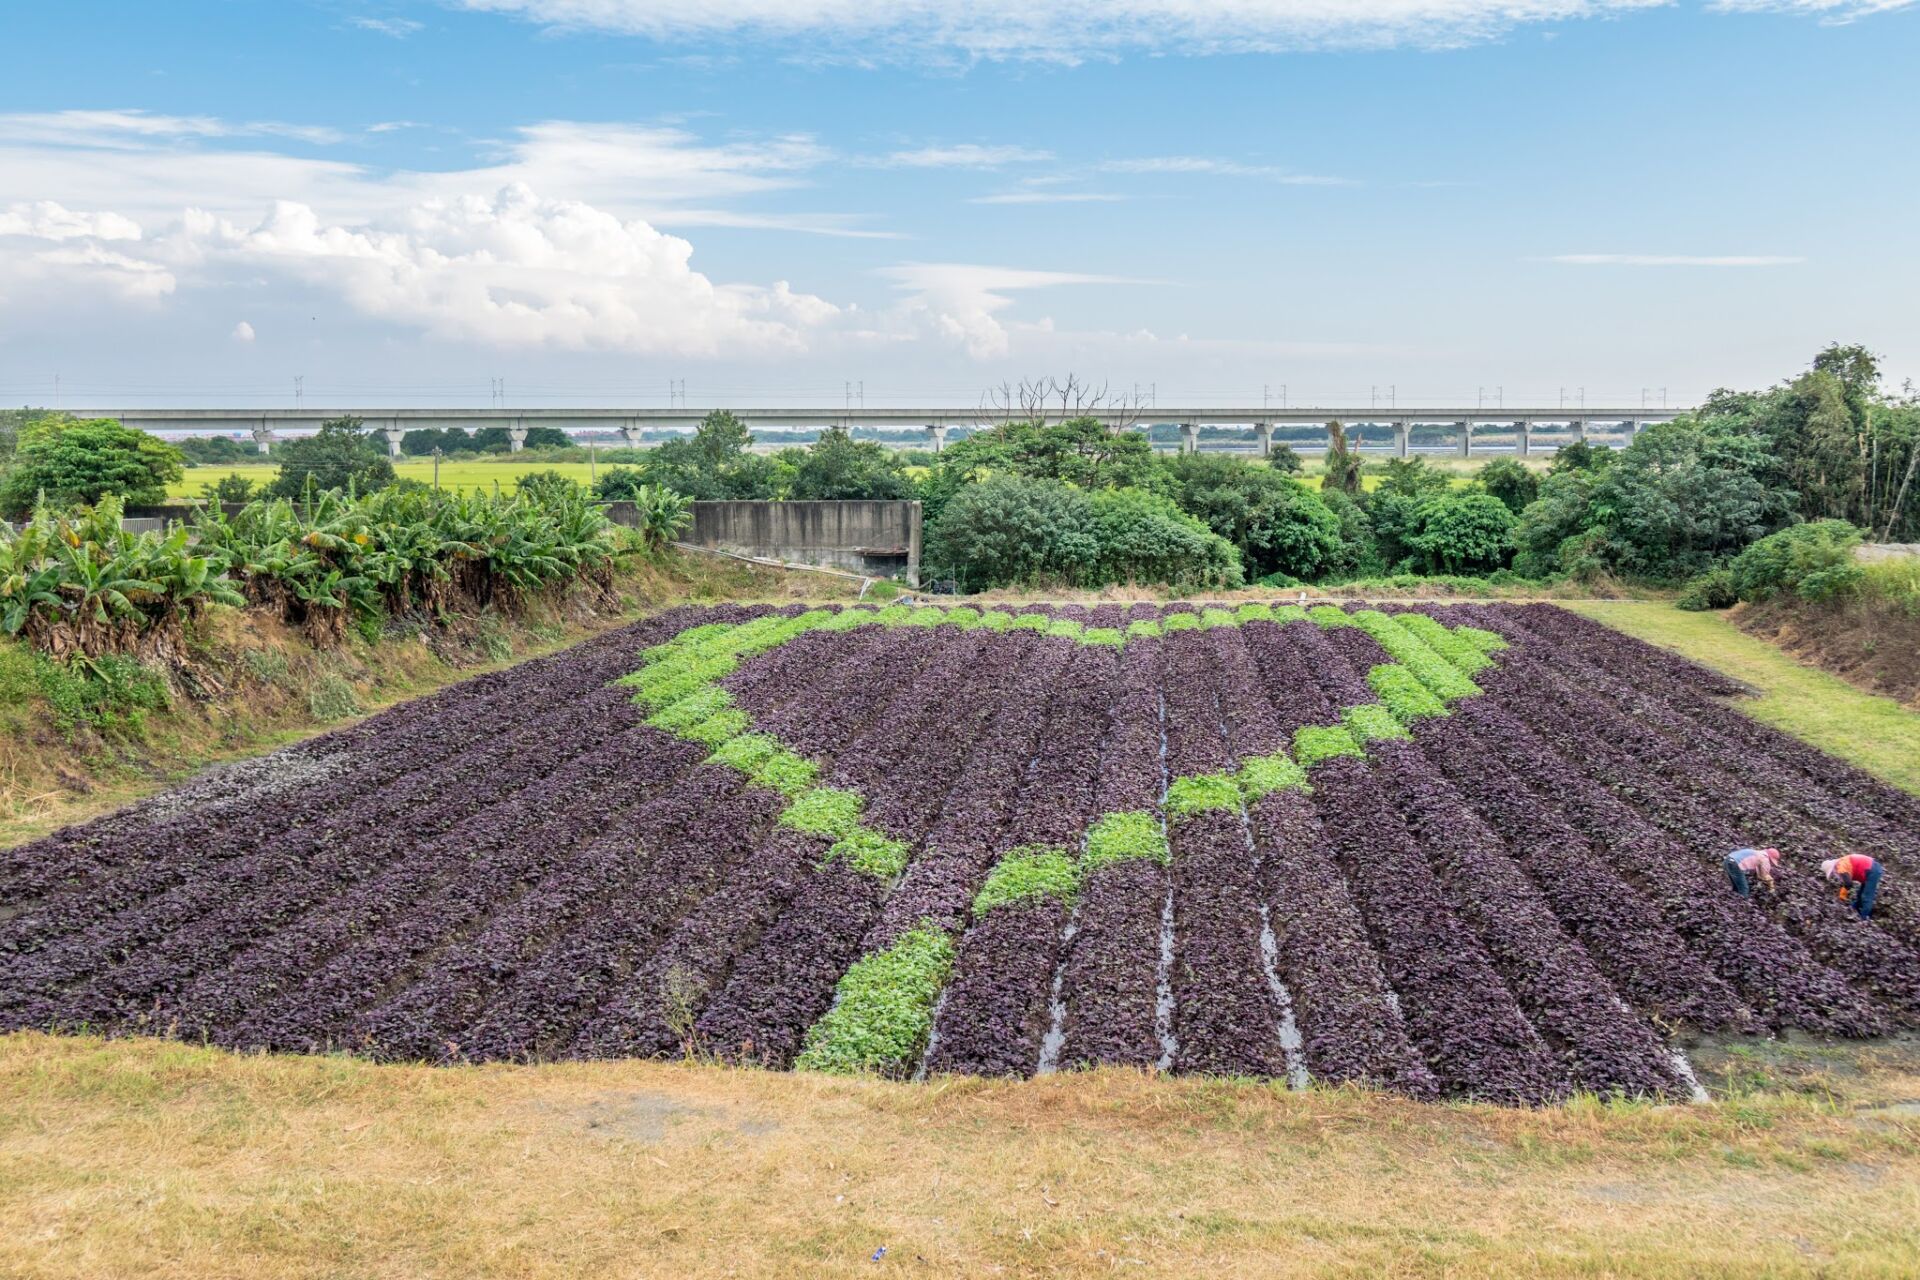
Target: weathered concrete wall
[(881, 538)]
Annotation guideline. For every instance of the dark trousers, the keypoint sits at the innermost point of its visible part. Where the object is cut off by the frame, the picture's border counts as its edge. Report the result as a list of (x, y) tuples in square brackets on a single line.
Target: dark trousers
[(1868, 890), (1739, 878)]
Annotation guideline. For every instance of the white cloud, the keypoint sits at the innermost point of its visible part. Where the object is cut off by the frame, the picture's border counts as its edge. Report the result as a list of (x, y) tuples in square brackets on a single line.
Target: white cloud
[(1222, 168), (1047, 197), (46, 220), (1671, 260), (242, 332), (967, 155), (1832, 12), (116, 130), (1065, 30), (396, 28), (959, 302)]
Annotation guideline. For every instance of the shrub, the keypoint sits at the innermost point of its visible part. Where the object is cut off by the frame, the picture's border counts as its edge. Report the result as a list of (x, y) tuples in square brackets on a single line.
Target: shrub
[(1511, 481), (1142, 537), (1464, 533), (1009, 529), (343, 456), (69, 462), (1813, 561), (1714, 589)]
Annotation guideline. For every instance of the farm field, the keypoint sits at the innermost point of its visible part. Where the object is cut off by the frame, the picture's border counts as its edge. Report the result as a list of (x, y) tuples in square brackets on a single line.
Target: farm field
[(1465, 852), (462, 474)]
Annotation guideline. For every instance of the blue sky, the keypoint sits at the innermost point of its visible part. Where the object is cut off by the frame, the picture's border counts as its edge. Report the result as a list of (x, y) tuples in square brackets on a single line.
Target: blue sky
[(771, 199)]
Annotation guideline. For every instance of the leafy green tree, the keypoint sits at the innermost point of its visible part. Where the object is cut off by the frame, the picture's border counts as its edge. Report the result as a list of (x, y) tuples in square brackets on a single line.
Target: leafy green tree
[(1580, 456), (1682, 495), (548, 438), (714, 463), (1562, 513), (1143, 537), (216, 451), (76, 462), (342, 455), (550, 487), (1411, 478), (620, 484), (229, 488), (1277, 525), (1011, 529), (1510, 481), (839, 467), (1358, 555), (1464, 533)]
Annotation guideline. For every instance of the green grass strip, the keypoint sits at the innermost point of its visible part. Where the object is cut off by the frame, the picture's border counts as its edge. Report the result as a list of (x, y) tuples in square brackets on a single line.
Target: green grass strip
[(869, 852), (1122, 837), (824, 811), (1263, 775), (883, 1008), (1191, 795), (1027, 873), (1316, 743)]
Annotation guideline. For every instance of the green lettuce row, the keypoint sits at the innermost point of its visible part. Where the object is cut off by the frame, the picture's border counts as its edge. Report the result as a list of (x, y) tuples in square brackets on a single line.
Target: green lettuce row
[(1411, 652), (1462, 653), (882, 1010), (1031, 871)]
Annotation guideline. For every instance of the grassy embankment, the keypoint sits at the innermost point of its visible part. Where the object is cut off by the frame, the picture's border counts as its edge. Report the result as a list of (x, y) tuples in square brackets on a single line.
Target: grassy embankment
[(263, 685), (151, 1158), (1876, 733)]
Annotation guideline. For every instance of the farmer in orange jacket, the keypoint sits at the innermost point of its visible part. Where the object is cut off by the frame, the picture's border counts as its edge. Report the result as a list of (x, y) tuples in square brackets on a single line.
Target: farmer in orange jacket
[(1859, 879), (1744, 866)]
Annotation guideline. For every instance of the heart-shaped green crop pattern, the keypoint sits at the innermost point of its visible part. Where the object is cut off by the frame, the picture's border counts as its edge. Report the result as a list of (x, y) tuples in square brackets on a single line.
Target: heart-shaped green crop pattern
[(884, 1003)]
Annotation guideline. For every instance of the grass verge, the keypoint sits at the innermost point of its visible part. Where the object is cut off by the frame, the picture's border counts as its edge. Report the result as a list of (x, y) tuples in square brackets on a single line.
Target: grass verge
[(1876, 733)]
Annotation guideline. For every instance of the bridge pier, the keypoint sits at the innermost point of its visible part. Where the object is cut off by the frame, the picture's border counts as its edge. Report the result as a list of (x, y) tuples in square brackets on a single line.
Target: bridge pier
[(1524, 444), (1189, 437), (1263, 438), (393, 433), (1466, 439), (1402, 438), (1580, 430), (631, 432), (263, 436), (937, 437), (516, 438)]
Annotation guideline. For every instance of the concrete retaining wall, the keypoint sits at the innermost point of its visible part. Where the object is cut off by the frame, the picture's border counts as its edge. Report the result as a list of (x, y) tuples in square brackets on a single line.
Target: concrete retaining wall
[(873, 537)]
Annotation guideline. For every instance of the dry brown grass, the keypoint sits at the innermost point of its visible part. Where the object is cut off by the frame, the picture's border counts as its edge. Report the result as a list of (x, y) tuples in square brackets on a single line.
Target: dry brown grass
[(157, 1159)]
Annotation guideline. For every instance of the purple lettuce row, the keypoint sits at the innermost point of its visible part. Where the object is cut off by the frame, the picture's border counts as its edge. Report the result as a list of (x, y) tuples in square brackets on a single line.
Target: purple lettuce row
[(778, 988), (995, 1010), (173, 934), (277, 985), (1712, 813), (372, 944), (538, 1012), (1288, 658), (1341, 659), (1772, 971), (1634, 661), (1647, 961), (1195, 744), (424, 1017), (393, 743), (1109, 615), (1458, 1012), (948, 689), (1603, 1045), (846, 689), (783, 985), (189, 846), (1057, 803), (972, 829), (1226, 1021), (1131, 776), (1112, 973), (1351, 1030), (1776, 803), (1249, 722), (650, 1012)]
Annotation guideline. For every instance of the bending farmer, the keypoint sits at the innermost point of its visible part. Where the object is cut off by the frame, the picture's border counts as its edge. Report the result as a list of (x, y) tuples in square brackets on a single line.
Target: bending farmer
[(1859, 879), (1744, 866)]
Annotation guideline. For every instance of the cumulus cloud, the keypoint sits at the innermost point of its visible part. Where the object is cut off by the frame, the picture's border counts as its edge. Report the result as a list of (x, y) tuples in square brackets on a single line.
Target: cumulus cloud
[(1067, 30), (960, 302), (1672, 260), (242, 332), (47, 220)]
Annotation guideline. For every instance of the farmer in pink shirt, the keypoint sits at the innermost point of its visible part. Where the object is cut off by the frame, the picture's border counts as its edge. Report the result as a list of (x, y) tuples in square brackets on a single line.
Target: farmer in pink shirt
[(1744, 866)]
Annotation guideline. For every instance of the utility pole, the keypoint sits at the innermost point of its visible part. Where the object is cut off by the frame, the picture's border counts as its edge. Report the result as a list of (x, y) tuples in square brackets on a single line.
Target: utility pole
[(436, 468)]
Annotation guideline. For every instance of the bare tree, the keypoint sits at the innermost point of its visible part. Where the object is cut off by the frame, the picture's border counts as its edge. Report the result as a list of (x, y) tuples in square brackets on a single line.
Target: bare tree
[(1050, 399)]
